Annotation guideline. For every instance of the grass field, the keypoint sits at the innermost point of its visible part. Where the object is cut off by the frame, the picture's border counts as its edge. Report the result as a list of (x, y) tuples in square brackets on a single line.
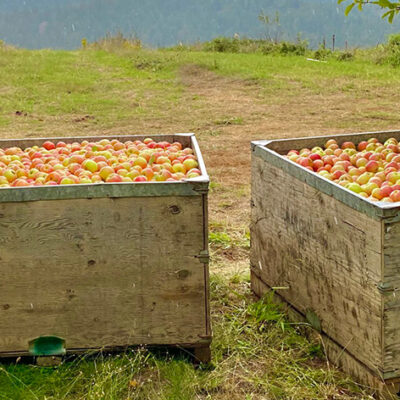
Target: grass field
[(227, 100)]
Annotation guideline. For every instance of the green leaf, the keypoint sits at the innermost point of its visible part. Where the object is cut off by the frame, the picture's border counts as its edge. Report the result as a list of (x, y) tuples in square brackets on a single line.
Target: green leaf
[(389, 15), (349, 8), (385, 3), (341, 1)]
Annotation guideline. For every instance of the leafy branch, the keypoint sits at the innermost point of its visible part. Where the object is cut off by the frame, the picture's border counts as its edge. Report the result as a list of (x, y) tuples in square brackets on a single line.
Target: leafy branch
[(392, 8)]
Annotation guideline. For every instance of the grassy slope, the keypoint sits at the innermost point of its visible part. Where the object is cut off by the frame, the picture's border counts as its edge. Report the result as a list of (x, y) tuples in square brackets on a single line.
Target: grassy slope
[(113, 88), (230, 98)]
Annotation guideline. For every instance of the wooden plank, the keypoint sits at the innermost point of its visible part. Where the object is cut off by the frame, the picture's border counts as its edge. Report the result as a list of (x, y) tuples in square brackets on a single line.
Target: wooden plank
[(391, 287), (102, 190), (328, 255), (202, 354), (335, 353), (205, 259), (103, 272)]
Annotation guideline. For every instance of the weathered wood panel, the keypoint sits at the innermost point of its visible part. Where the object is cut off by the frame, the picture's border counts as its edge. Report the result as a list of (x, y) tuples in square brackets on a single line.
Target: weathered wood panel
[(328, 255), (391, 294), (336, 354), (103, 272)]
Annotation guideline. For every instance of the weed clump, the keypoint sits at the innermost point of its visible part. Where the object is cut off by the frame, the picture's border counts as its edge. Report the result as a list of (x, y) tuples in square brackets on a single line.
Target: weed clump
[(345, 55), (393, 50), (114, 41), (322, 53), (385, 53), (223, 45), (264, 46)]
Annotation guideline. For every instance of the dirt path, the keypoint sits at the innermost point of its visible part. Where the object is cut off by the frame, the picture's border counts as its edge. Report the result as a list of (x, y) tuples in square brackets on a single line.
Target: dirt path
[(228, 113)]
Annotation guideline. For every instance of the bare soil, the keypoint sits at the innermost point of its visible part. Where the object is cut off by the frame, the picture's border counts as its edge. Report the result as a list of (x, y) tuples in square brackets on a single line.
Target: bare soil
[(229, 113)]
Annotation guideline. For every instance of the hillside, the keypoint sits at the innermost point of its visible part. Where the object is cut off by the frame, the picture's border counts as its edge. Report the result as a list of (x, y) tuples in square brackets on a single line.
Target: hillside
[(62, 24)]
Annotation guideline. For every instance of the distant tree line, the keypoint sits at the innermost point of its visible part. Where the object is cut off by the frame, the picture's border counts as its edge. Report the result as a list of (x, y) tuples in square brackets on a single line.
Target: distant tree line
[(63, 23)]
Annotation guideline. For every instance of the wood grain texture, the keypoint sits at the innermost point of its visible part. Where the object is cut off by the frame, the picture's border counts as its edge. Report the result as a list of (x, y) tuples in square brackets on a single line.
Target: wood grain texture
[(328, 255), (103, 272), (339, 356), (391, 296)]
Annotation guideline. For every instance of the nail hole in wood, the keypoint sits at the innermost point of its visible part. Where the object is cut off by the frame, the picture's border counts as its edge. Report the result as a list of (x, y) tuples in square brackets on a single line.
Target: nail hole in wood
[(6, 306), (175, 210), (91, 263), (183, 274)]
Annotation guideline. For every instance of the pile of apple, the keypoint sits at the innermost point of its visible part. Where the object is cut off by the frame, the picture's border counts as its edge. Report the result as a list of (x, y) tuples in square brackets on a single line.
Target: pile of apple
[(96, 162), (371, 169)]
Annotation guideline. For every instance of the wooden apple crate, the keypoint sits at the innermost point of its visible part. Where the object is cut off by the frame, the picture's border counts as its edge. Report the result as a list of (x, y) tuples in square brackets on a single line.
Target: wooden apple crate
[(104, 266), (333, 256)]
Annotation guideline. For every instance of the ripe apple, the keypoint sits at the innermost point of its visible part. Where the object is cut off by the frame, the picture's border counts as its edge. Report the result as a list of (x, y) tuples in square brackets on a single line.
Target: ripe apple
[(372, 166), (314, 156), (49, 145), (90, 165), (141, 162), (133, 174), (317, 164), (361, 162), (386, 190), (338, 173), (85, 180), (377, 193), (348, 145), (105, 172), (148, 173), (354, 187), (67, 181), (114, 178), (10, 174), (395, 195), (364, 178), (393, 177), (303, 161)]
